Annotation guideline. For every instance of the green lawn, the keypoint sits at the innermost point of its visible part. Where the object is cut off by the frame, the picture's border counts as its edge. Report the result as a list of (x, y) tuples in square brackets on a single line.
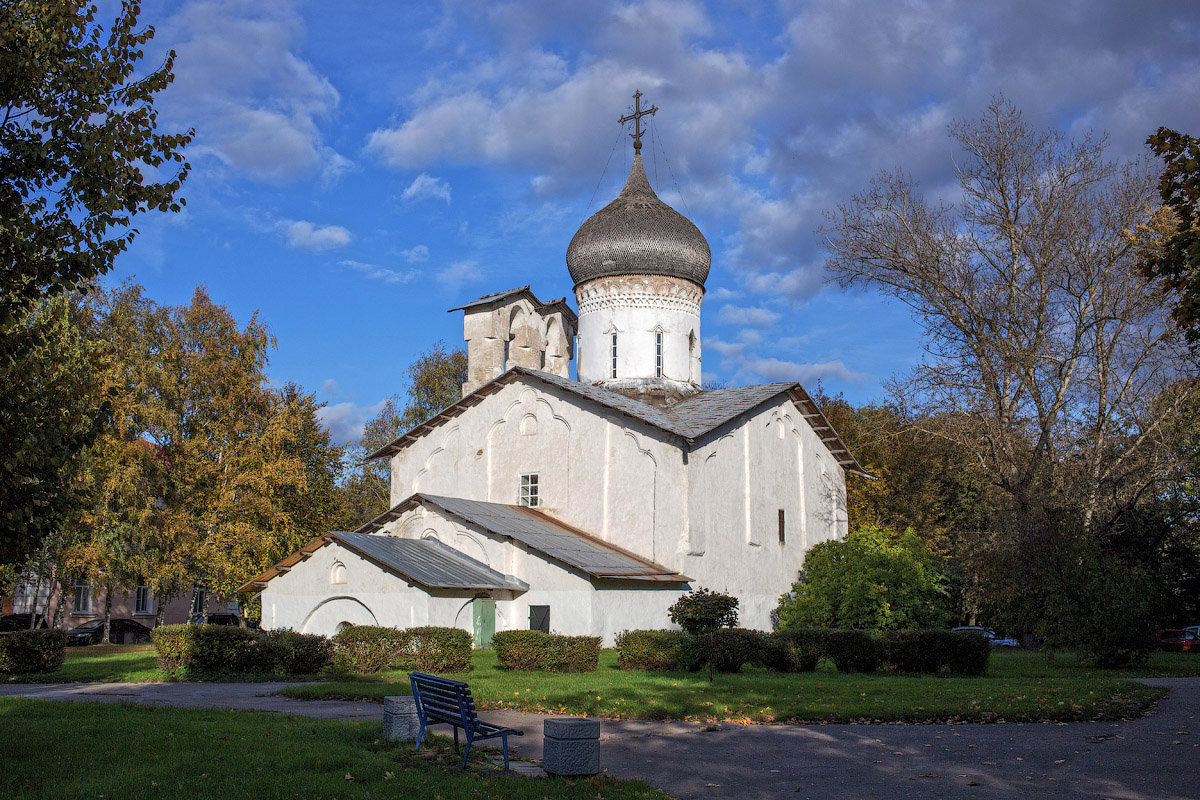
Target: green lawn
[(1020, 686), (62, 751)]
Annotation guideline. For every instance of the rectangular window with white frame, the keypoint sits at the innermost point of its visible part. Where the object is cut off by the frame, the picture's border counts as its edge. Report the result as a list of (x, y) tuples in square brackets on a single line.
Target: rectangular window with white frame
[(529, 490), (143, 600), (83, 597)]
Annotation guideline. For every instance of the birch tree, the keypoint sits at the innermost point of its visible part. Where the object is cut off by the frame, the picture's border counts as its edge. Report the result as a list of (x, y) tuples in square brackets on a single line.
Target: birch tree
[(1053, 360)]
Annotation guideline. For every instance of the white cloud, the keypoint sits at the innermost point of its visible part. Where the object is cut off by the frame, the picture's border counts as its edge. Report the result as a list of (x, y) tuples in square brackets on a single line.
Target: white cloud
[(312, 237), (345, 421), (757, 317), (458, 273), (416, 255), (774, 369), (377, 273), (763, 138), (256, 105), (426, 187)]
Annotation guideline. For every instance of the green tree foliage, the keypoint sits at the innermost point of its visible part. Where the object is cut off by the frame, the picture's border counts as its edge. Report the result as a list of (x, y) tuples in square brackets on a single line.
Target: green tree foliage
[(1175, 262), (701, 613), (49, 412), (875, 579), (80, 152), (80, 157), (435, 382)]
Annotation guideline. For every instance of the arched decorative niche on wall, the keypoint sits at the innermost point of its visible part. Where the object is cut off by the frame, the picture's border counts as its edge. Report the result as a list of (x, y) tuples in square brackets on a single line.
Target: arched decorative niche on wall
[(529, 425), (337, 573)]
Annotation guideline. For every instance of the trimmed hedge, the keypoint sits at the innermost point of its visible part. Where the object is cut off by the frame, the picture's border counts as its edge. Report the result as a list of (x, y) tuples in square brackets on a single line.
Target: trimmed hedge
[(804, 647), (297, 653), (969, 654), (929, 651), (434, 649), (224, 649), (801, 649), (549, 652), (24, 652), (653, 651), (367, 648), (854, 650)]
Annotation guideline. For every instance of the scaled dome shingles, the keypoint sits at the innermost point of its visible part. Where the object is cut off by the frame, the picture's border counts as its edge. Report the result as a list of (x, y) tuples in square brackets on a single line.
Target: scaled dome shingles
[(638, 234)]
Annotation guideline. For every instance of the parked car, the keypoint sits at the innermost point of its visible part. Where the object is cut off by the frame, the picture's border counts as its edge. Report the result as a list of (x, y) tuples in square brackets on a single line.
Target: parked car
[(1179, 641), (120, 631), (1194, 629), (224, 619), (989, 634), (19, 622)]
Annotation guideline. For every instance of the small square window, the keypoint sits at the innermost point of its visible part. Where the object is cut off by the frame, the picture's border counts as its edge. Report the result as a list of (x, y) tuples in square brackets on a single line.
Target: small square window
[(529, 490)]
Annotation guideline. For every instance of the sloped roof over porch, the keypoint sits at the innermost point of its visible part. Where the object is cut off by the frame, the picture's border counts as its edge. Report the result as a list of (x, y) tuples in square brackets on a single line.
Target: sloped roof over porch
[(427, 562)]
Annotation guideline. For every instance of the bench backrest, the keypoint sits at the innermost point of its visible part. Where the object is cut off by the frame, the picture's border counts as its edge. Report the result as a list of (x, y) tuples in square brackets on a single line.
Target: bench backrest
[(442, 699)]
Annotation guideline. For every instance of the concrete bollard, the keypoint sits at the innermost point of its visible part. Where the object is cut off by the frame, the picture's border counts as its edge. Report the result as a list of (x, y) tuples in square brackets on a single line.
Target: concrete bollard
[(571, 746), (400, 720)]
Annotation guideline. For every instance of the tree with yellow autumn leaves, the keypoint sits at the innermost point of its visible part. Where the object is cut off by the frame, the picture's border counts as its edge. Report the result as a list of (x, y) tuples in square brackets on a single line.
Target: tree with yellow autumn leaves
[(204, 474)]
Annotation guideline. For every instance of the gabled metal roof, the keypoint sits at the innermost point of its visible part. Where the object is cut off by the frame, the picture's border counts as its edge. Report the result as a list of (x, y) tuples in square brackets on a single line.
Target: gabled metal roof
[(541, 532), (424, 561), (558, 303), (689, 419)]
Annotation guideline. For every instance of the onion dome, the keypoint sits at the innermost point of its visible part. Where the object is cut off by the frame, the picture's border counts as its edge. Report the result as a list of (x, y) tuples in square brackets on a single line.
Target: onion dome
[(638, 234)]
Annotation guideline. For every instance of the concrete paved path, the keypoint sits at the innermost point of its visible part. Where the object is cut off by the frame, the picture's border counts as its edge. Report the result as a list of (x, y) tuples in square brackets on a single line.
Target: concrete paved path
[(1154, 758)]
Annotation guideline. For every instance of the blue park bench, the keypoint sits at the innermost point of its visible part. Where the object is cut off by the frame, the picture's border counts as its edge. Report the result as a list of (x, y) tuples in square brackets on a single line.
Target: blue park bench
[(444, 700)]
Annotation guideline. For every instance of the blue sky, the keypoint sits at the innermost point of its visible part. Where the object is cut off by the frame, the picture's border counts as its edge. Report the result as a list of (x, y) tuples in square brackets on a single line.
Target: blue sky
[(358, 171)]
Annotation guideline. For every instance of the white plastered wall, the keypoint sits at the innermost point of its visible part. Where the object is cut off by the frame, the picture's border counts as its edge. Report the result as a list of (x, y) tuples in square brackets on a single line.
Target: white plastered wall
[(741, 476), (712, 516)]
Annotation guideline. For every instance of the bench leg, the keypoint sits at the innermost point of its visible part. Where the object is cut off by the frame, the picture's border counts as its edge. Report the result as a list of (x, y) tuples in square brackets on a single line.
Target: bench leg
[(456, 740), (467, 752), (504, 739), (420, 736)]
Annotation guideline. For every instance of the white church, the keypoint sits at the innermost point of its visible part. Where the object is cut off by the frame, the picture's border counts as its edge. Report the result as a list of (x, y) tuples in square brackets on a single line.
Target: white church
[(586, 505)]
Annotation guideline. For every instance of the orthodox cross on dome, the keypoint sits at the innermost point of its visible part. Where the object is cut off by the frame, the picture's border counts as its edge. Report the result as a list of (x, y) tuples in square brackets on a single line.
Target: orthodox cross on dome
[(636, 117)]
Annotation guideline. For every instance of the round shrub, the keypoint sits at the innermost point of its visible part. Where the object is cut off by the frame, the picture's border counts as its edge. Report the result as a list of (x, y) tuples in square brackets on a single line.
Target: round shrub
[(367, 648), (24, 652), (434, 649), (654, 651), (854, 650)]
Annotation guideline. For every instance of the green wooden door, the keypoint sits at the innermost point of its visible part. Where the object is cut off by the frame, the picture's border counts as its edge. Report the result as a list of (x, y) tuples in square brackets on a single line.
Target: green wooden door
[(484, 613)]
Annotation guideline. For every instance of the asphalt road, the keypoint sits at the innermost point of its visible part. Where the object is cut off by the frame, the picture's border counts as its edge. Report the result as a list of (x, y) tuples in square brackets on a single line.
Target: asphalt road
[(1153, 758)]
